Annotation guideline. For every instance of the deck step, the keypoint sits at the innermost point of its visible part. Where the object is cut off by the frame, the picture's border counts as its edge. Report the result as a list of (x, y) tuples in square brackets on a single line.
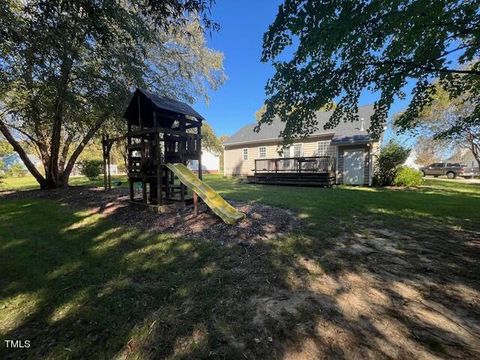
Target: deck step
[(324, 179)]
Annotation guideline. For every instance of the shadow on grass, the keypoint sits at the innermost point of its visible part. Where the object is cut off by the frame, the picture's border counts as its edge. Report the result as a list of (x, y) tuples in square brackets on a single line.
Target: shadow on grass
[(389, 285)]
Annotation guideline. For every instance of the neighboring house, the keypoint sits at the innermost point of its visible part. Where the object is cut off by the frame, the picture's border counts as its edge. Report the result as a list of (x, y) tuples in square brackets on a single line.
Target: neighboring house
[(348, 146), (114, 169), (14, 158), (210, 163), (412, 160), (465, 156)]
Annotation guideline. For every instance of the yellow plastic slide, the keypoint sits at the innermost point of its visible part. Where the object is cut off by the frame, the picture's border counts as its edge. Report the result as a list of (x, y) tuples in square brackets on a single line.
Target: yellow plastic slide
[(223, 209)]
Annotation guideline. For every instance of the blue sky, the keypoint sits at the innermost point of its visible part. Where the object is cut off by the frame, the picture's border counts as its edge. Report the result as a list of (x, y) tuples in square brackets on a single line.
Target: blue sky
[(243, 24)]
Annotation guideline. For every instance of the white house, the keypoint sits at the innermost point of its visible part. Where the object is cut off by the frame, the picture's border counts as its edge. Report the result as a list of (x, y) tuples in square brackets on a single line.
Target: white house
[(14, 159), (465, 156), (412, 160), (210, 162)]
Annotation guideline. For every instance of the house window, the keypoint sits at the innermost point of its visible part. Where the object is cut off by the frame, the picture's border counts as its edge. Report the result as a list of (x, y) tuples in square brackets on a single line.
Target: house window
[(262, 151), (245, 154), (324, 148), (286, 152), (297, 150)]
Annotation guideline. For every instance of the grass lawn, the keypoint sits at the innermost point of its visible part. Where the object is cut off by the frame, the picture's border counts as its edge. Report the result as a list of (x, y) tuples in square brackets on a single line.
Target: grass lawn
[(323, 208), (29, 182), (373, 273)]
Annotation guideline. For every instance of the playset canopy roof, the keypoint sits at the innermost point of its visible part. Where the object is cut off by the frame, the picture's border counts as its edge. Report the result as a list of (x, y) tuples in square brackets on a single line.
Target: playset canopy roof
[(167, 110)]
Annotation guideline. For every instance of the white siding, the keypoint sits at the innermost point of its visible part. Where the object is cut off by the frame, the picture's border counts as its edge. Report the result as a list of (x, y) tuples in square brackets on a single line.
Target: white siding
[(210, 162), (234, 164)]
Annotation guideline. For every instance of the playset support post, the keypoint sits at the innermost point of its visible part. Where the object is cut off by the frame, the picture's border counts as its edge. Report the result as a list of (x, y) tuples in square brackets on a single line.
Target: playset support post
[(159, 131)]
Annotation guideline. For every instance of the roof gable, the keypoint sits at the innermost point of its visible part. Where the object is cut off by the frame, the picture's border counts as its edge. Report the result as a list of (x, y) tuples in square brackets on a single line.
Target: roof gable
[(344, 132)]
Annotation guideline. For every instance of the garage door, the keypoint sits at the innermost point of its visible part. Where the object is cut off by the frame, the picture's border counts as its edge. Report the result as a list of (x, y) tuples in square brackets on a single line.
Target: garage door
[(353, 173)]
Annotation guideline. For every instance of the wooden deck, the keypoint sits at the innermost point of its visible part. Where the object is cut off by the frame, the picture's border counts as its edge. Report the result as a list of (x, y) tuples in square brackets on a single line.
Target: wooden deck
[(305, 171)]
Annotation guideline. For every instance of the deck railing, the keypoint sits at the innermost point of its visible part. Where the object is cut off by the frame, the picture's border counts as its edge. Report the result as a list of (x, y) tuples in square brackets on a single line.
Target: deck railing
[(308, 164)]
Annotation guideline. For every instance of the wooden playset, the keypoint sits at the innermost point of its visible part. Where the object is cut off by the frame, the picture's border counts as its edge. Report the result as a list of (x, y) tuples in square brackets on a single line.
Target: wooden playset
[(163, 136)]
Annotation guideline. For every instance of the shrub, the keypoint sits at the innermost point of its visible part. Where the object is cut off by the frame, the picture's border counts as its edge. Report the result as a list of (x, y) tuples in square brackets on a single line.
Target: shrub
[(91, 168), (391, 157), (16, 170), (407, 176)]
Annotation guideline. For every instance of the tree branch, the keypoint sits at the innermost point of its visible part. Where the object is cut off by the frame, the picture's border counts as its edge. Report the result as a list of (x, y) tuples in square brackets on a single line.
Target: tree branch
[(424, 67), (76, 153), (32, 139), (64, 154), (23, 155)]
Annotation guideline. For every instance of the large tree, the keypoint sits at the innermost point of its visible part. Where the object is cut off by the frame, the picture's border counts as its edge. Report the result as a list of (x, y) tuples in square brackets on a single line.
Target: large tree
[(326, 51), (444, 120), (210, 140), (428, 150), (67, 68)]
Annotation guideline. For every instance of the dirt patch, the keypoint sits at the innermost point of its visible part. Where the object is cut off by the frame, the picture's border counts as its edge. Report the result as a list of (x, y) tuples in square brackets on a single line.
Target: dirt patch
[(381, 293), (261, 222)]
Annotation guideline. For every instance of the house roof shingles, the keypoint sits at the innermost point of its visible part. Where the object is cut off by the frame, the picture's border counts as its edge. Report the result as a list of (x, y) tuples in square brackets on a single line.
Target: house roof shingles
[(344, 133)]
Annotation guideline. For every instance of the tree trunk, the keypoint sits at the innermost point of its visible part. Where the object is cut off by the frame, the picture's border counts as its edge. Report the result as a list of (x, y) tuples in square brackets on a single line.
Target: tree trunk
[(63, 157), (123, 151), (53, 174), (476, 153), (53, 179), (474, 141), (88, 136)]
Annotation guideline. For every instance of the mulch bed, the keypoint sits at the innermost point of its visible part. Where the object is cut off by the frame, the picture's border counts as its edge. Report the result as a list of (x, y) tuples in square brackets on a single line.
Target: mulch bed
[(261, 222)]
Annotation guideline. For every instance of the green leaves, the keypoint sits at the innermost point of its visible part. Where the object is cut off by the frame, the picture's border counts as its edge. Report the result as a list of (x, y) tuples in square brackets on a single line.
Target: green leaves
[(391, 157), (448, 118), (210, 141), (67, 68), (337, 50)]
